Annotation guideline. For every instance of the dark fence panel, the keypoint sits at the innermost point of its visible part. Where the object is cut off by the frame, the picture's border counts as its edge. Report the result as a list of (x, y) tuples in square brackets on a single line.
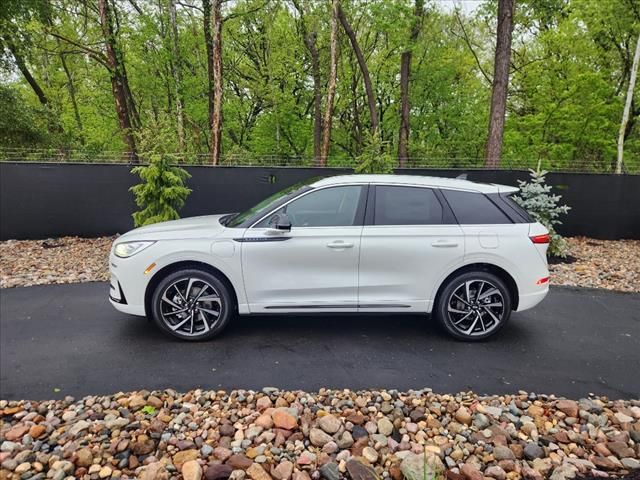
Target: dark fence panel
[(39, 200), (48, 200)]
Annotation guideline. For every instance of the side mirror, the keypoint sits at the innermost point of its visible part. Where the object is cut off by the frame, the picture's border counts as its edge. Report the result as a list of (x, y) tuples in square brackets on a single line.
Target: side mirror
[(281, 222)]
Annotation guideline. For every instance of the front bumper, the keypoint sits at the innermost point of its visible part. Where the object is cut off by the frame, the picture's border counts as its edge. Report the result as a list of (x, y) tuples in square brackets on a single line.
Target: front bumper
[(116, 295), (119, 300), (127, 286)]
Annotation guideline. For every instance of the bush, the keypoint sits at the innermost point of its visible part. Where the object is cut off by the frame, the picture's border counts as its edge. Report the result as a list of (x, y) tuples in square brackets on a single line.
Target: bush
[(162, 191), (536, 198)]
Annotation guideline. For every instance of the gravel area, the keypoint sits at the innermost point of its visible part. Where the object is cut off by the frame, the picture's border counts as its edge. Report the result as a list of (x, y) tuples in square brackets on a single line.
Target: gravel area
[(610, 264), (614, 265), (332, 434), (24, 263)]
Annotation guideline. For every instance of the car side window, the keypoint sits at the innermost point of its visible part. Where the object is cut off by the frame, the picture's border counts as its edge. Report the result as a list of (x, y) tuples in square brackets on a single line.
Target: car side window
[(471, 208), (395, 205), (328, 207)]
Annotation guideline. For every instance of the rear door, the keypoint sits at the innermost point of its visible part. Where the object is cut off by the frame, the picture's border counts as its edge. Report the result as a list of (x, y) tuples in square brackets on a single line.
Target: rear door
[(408, 240)]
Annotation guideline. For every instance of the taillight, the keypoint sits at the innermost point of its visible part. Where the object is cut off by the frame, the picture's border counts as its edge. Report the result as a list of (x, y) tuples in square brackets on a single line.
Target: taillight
[(542, 281), (546, 238)]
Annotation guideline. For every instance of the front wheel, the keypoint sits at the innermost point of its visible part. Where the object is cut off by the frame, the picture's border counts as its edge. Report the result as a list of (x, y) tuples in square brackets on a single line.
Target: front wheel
[(473, 306), (192, 305)]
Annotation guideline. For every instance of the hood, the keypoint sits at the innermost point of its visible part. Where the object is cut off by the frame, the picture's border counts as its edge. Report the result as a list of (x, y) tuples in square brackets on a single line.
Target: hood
[(193, 227)]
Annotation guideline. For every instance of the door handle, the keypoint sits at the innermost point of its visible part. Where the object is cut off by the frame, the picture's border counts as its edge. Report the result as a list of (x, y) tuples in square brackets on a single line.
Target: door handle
[(339, 244), (444, 244)]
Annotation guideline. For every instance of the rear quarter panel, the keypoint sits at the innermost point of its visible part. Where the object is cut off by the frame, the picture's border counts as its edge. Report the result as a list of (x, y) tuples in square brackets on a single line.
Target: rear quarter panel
[(506, 246)]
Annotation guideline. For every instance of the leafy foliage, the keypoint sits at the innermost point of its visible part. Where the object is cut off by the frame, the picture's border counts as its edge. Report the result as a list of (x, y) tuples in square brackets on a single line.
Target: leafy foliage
[(570, 67), (536, 197), (149, 410), (375, 158), (21, 124), (162, 191)]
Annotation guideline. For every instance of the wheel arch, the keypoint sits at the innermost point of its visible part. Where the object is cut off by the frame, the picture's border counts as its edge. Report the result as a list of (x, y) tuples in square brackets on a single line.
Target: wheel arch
[(484, 267), (182, 265)]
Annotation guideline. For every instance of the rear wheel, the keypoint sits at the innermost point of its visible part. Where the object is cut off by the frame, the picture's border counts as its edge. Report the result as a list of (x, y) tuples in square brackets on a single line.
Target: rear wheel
[(192, 305), (473, 306)]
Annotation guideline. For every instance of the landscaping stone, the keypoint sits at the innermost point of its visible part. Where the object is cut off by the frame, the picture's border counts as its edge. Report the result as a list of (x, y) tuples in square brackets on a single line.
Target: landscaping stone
[(330, 471), (311, 436), (532, 451), (319, 438), (359, 471), (218, 472)]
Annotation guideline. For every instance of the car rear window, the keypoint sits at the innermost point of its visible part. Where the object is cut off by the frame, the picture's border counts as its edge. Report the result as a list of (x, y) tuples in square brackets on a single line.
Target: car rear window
[(406, 206), (471, 208), (519, 210)]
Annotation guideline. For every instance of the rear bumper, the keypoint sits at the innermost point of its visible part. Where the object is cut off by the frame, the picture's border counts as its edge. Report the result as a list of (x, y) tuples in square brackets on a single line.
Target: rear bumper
[(530, 300)]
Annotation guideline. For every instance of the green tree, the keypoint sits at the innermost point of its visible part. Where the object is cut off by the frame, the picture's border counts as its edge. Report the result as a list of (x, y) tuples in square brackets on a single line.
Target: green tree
[(162, 191), (66, 67), (376, 157), (535, 196)]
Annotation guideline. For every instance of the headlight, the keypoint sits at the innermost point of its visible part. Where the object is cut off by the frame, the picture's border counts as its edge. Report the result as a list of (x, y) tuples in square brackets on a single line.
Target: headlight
[(127, 249)]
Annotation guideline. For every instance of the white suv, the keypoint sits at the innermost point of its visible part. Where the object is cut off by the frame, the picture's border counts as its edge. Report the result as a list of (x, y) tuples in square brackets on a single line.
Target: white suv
[(357, 243)]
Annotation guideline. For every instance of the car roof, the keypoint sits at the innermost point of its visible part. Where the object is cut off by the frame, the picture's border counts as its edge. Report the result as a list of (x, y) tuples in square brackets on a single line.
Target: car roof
[(416, 180)]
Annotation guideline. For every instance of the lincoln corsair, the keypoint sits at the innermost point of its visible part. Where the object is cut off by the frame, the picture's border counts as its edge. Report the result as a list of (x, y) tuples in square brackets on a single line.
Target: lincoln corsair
[(463, 251)]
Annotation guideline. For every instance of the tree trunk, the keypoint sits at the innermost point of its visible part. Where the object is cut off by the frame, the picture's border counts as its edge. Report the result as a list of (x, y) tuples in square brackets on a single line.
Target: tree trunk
[(22, 66), (317, 97), (500, 83), (53, 126), (131, 104), (331, 87), (627, 107), (357, 133), (72, 96), (405, 73), (208, 40), (119, 82), (371, 99), (310, 40), (311, 43), (216, 120), (176, 71)]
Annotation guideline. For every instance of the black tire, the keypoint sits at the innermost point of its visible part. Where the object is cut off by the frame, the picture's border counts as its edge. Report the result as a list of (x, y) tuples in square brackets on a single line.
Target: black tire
[(449, 310), (191, 324)]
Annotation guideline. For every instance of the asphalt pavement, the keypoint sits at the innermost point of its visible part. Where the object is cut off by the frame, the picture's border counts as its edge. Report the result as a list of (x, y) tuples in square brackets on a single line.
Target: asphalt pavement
[(59, 340)]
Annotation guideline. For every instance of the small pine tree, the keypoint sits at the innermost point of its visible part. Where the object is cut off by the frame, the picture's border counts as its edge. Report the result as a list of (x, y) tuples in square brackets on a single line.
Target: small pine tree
[(536, 198), (375, 157), (162, 191)]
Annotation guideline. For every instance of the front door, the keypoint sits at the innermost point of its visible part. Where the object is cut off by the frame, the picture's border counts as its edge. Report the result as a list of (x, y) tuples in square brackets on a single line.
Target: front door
[(407, 242), (314, 267)]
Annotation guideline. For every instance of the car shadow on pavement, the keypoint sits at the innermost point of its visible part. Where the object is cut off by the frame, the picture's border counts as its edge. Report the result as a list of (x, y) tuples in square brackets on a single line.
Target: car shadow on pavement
[(331, 326)]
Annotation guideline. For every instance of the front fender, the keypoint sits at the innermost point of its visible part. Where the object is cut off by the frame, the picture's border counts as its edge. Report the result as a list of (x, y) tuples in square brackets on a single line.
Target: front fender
[(229, 267)]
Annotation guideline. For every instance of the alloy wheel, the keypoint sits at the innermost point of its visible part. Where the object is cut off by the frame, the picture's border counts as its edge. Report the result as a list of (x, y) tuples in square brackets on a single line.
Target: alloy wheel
[(475, 308), (190, 306)]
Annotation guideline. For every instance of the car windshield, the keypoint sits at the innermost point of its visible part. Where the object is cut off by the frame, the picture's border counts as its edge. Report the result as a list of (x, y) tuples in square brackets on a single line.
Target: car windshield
[(267, 204)]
